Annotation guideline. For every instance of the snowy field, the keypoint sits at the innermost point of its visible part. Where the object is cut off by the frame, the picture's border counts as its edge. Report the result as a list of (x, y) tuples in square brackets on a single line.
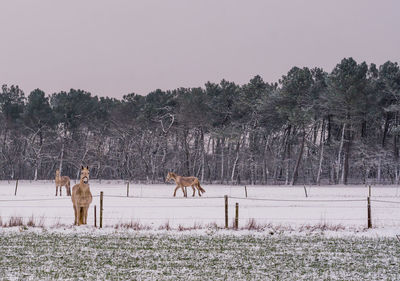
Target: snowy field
[(153, 236), (154, 206)]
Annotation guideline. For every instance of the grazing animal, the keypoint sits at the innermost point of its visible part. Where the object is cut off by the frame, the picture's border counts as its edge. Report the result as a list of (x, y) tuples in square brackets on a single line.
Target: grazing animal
[(82, 197), (62, 181), (182, 182)]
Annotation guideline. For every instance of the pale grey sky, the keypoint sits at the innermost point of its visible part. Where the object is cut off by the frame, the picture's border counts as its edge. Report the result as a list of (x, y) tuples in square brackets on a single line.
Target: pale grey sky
[(112, 48)]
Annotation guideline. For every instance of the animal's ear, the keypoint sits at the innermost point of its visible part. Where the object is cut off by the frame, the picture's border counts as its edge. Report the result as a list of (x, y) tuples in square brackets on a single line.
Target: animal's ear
[(82, 167), (87, 167)]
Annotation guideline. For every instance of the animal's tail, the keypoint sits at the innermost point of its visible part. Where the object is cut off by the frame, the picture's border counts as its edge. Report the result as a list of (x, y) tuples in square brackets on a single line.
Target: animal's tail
[(199, 187)]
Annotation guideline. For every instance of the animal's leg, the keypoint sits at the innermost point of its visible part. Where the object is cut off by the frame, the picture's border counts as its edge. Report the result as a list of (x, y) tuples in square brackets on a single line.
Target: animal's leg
[(75, 222), (198, 190), (78, 215), (176, 188), (82, 215), (201, 190), (194, 191), (85, 213), (60, 190), (56, 190), (184, 191), (68, 189)]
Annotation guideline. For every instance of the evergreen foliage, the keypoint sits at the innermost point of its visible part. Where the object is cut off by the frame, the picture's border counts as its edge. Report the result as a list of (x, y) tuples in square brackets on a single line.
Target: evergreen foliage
[(311, 127)]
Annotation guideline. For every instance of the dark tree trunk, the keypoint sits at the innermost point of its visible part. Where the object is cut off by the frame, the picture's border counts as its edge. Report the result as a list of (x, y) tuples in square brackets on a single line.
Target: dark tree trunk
[(347, 156), (287, 153), (385, 129), (328, 139), (321, 155), (296, 167), (187, 154)]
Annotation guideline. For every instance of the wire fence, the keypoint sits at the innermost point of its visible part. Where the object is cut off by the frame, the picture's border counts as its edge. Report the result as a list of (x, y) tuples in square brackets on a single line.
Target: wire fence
[(119, 211), (208, 198)]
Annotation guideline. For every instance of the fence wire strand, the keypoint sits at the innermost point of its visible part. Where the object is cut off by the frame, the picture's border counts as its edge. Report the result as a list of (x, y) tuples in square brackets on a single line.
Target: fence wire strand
[(244, 201), (385, 201)]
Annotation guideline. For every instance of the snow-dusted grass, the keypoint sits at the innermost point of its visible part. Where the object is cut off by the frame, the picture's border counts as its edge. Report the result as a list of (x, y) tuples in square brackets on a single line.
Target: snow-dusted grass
[(127, 255)]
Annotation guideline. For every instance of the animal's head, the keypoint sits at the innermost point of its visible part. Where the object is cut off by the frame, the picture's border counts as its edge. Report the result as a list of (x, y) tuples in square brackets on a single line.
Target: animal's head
[(85, 174), (169, 177), (57, 172)]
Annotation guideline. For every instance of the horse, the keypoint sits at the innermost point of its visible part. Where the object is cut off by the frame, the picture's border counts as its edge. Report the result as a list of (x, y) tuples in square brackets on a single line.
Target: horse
[(82, 197), (62, 181), (182, 182)]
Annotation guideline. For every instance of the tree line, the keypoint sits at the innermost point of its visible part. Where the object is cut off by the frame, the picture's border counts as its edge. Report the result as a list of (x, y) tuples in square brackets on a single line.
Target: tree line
[(311, 127)]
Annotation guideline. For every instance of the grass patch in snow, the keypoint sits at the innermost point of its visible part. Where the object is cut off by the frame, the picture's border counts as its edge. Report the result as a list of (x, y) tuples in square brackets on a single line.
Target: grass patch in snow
[(48, 255), (14, 221), (134, 225)]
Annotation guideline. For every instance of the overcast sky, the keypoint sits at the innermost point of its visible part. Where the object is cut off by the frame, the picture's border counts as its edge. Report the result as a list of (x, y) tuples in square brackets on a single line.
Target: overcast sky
[(112, 48)]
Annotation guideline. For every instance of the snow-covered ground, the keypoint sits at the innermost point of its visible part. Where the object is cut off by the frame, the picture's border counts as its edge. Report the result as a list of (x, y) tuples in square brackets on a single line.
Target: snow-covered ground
[(154, 205), (322, 237)]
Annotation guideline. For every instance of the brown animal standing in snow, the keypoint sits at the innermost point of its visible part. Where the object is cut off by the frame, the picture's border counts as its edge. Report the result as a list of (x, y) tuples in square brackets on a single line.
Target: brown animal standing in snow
[(62, 181), (82, 197), (182, 182)]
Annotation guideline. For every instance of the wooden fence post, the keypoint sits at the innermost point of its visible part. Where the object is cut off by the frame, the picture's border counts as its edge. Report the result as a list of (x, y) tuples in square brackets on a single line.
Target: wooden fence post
[(127, 190), (226, 211), (245, 190), (369, 191), (101, 209), (95, 216), (236, 215), (305, 191), (16, 187), (369, 212)]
